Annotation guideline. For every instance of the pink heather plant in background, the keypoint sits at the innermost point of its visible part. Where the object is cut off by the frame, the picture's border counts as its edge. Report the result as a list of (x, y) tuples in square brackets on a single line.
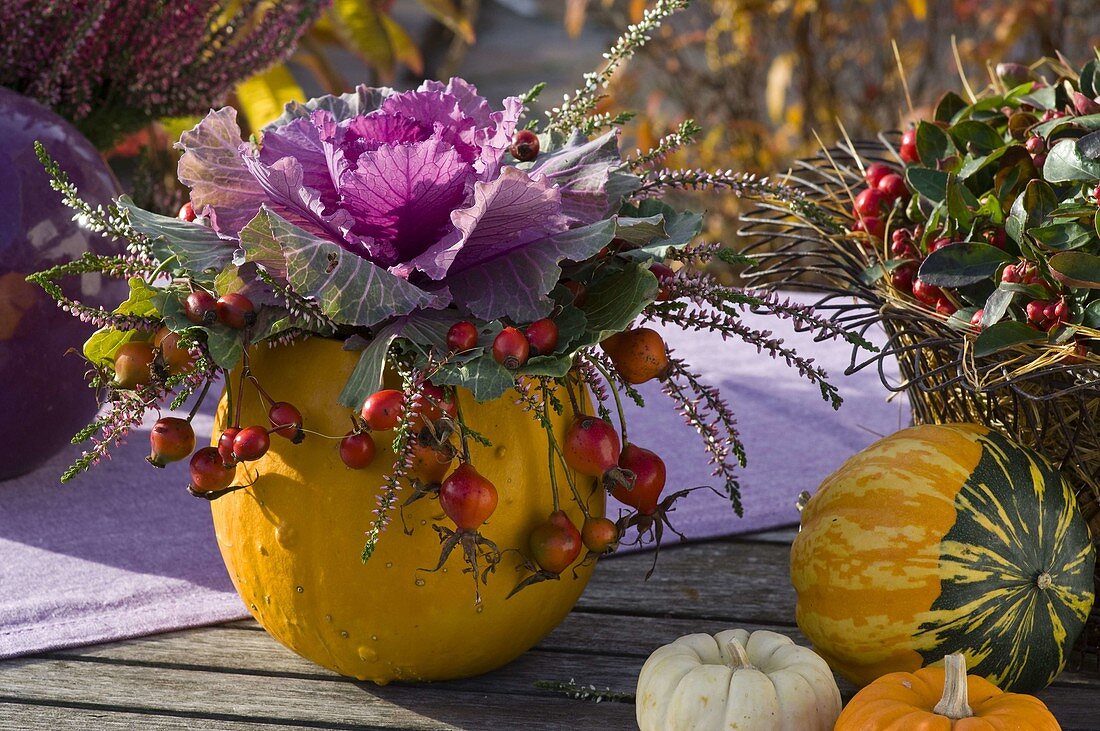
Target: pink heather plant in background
[(179, 58)]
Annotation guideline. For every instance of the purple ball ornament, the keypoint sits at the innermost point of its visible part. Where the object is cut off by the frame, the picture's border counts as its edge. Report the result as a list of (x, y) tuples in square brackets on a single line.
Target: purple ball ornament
[(43, 394)]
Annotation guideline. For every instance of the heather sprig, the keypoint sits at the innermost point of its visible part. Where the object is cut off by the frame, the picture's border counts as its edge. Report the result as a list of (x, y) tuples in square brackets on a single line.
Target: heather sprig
[(742, 185), (704, 410), (404, 439), (575, 108), (684, 135), (113, 67)]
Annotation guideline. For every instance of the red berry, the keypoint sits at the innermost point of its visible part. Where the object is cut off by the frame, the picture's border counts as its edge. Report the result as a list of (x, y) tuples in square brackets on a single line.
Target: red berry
[(236, 311), (200, 307), (250, 444), (288, 420), (556, 543), (599, 534), (976, 318), (434, 402), (591, 446), (525, 145), (1096, 194), (996, 237), (908, 149), (939, 243), (429, 464), (208, 474), (868, 203), (577, 289), (1036, 312), (946, 307), (903, 249), (510, 348), (467, 498), (876, 171), (134, 363), (187, 212), (542, 336), (873, 225), (225, 445), (903, 277), (664, 276), (649, 479), (893, 187), (357, 450), (382, 410), (1039, 160), (1061, 310), (901, 235), (1035, 145), (462, 337), (170, 440), (926, 293), (176, 358), (1010, 274), (639, 354)]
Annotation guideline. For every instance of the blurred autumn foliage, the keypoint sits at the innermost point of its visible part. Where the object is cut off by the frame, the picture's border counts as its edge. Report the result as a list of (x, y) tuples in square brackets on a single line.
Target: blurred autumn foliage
[(761, 77)]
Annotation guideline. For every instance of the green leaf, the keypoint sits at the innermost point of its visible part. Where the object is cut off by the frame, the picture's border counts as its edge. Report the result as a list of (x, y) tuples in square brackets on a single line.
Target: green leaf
[(1065, 164), (1092, 315), (932, 184), (996, 306), (933, 144), (1076, 269), (639, 231), (366, 377), (555, 366), (949, 106), (197, 248), (1030, 209), (101, 347), (1044, 98), (978, 134), (1063, 236), (961, 203), (348, 288), (681, 227), (614, 301), (1088, 121), (483, 376), (1090, 79), (1004, 335), (960, 264), (1089, 146)]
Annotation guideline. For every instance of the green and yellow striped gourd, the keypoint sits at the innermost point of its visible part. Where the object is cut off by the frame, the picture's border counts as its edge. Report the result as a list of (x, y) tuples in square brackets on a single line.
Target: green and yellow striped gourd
[(944, 539)]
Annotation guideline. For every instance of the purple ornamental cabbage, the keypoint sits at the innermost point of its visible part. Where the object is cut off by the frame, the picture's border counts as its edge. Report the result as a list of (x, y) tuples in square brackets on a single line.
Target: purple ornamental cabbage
[(415, 191)]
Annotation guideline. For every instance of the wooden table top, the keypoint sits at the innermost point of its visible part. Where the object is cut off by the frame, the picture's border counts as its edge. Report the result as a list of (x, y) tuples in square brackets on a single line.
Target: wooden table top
[(235, 677)]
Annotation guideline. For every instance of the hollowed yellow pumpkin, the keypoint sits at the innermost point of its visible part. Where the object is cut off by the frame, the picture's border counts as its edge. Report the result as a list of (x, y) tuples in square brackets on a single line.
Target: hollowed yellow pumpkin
[(292, 542)]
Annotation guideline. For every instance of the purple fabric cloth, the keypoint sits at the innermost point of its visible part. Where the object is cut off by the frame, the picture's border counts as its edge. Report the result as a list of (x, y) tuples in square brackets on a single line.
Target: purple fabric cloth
[(125, 551)]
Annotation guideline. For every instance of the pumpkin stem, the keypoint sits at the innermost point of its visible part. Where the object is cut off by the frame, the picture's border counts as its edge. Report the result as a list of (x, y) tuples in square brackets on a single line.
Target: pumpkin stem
[(1044, 581), (954, 704), (739, 656)]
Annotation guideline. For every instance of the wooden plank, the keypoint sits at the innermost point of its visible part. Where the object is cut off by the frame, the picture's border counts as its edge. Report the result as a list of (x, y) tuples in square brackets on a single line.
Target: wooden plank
[(730, 580), (22, 717), (615, 672), (273, 699)]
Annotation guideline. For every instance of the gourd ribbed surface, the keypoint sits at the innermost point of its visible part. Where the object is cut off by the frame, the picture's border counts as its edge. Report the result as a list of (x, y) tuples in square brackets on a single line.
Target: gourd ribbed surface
[(942, 539)]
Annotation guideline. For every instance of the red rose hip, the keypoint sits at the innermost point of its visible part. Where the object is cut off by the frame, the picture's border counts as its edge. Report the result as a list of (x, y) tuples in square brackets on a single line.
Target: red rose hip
[(510, 348), (542, 336), (462, 336)]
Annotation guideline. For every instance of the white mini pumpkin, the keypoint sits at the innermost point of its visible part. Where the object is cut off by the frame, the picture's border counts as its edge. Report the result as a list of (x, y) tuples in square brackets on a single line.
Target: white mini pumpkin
[(736, 680)]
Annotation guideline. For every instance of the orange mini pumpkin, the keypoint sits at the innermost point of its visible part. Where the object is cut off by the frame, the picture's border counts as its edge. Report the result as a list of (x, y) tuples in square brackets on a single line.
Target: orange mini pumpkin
[(943, 699)]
